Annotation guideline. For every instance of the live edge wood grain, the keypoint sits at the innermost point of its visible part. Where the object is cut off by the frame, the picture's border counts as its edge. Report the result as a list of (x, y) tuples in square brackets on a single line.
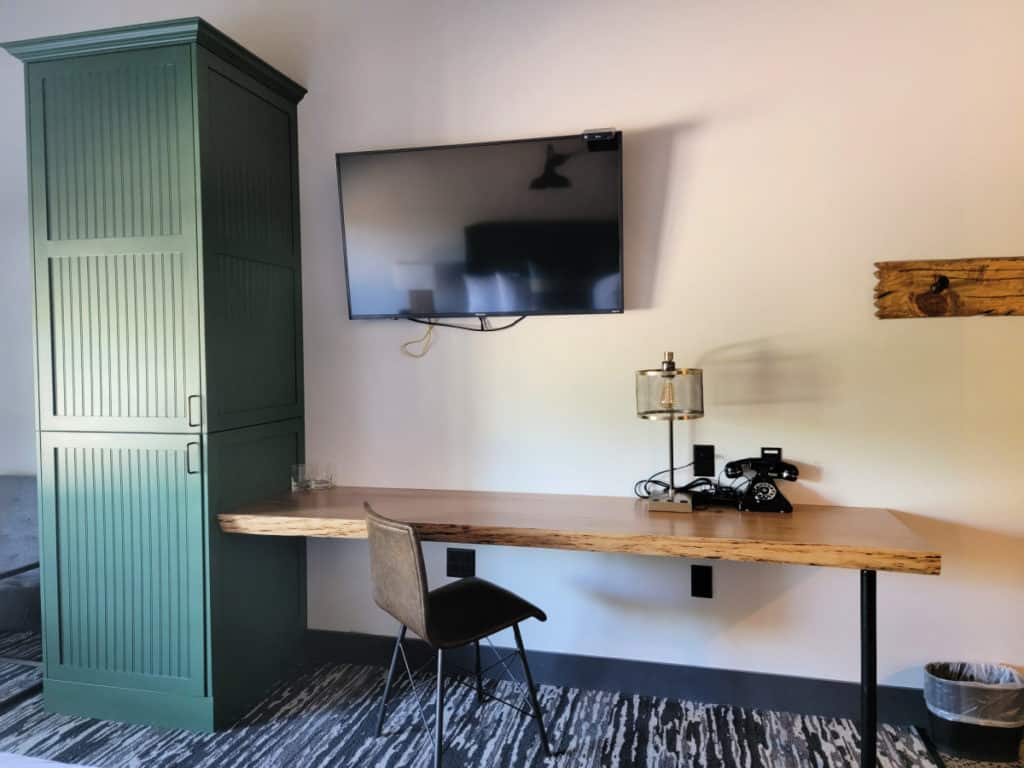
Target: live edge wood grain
[(839, 537), (949, 288)]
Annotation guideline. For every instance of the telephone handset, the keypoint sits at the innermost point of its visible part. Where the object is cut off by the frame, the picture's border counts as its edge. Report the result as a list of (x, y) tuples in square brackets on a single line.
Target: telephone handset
[(761, 493)]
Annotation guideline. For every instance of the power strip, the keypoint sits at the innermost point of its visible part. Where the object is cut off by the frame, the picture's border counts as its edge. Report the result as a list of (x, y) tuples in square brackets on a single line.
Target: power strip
[(722, 496)]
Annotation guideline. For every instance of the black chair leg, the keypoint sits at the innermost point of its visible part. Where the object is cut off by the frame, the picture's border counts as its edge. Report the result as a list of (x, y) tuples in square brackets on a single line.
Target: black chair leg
[(479, 678), (537, 714), (439, 722), (388, 680)]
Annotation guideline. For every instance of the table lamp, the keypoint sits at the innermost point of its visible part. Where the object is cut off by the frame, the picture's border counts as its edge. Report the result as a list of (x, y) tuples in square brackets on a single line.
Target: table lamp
[(670, 394)]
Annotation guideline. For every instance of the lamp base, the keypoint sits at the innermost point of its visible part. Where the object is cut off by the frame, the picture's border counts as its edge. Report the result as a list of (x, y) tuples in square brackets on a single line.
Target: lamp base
[(679, 503)]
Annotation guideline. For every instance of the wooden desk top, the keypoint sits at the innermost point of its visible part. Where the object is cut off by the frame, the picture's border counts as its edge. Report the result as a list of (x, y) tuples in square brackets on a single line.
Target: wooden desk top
[(840, 537)]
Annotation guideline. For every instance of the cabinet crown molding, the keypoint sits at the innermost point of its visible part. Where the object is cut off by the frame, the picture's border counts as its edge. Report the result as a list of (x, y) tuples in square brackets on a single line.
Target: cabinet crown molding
[(186, 31)]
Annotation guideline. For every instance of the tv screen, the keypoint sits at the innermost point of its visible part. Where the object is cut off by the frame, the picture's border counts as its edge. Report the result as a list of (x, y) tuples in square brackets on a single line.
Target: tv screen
[(509, 228)]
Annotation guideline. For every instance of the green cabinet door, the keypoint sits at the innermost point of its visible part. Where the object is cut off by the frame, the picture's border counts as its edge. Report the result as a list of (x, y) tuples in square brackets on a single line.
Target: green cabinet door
[(123, 564), (113, 199)]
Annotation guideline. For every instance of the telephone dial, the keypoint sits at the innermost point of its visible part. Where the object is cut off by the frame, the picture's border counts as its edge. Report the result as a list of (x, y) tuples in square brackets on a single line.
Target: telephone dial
[(761, 493)]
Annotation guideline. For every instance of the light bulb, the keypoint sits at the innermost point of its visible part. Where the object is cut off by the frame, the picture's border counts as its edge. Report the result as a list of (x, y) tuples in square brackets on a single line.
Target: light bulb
[(668, 395)]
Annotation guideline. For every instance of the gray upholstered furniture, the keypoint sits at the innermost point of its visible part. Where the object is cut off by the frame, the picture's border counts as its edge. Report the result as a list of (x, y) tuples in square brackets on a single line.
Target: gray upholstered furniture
[(19, 551)]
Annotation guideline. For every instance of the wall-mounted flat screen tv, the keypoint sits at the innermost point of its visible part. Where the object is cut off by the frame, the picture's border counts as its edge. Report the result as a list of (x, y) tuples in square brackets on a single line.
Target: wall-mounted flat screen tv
[(528, 227)]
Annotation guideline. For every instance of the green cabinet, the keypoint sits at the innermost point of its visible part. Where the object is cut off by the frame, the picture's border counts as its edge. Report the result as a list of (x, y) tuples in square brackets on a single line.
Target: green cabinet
[(122, 526), (164, 191), (163, 171), (113, 190)]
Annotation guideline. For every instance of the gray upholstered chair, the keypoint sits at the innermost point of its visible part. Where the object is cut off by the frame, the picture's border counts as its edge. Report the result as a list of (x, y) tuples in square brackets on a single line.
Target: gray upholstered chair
[(452, 616)]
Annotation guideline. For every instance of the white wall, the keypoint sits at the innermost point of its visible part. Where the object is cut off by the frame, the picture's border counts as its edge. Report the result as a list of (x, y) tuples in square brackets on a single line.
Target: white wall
[(17, 410), (774, 151)]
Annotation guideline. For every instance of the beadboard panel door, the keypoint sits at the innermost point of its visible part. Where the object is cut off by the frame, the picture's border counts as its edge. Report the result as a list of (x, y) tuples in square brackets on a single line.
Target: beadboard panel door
[(123, 574), (113, 190), (250, 247)]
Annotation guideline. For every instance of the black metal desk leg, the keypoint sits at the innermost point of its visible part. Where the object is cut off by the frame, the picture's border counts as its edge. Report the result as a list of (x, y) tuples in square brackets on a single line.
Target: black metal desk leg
[(868, 672)]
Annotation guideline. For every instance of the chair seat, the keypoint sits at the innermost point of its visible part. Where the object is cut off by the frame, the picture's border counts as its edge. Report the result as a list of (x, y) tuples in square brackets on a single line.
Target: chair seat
[(471, 609)]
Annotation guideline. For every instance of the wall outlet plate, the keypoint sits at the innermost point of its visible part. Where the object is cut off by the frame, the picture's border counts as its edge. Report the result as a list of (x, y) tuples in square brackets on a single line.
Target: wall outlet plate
[(700, 581), (461, 562), (703, 461)]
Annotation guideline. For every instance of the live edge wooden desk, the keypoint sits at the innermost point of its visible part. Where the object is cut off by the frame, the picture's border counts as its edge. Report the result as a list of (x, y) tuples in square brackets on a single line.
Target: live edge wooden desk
[(866, 539)]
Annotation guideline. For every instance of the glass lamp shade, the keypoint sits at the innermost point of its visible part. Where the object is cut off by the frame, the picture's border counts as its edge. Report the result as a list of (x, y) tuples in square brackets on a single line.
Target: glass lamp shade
[(670, 393)]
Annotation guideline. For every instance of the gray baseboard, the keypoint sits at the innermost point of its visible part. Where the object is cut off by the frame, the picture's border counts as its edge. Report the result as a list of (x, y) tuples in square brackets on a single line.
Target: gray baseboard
[(755, 690)]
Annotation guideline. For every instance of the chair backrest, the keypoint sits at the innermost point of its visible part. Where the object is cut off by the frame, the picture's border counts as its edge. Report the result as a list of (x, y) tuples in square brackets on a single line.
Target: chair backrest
[(396, 570)]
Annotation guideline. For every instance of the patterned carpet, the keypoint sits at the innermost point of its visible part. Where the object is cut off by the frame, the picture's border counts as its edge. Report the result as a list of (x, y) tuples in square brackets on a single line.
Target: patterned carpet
[(16, 678), (326, 718), (21, 645)]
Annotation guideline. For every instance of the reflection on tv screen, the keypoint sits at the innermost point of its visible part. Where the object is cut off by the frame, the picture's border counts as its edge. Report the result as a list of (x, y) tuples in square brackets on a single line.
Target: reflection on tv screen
[(525, 227)]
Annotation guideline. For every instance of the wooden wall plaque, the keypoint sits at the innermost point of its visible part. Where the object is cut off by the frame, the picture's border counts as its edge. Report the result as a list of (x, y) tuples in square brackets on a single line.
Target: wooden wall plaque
[(949, 288)]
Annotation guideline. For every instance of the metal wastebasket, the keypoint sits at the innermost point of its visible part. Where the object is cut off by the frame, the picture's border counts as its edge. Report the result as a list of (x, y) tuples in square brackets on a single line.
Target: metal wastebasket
[(975, 710)]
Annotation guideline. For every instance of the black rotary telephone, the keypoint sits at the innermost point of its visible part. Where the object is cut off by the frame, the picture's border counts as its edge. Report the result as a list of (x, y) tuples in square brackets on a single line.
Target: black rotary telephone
[(761, 493)]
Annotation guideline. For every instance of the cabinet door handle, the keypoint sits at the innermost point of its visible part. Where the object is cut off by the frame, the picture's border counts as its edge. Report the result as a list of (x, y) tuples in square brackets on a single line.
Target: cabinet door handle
[(189, 463), (195, 414)]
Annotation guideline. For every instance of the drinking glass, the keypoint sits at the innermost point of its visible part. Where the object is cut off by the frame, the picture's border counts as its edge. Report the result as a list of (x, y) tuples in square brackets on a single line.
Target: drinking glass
[(300, 478)]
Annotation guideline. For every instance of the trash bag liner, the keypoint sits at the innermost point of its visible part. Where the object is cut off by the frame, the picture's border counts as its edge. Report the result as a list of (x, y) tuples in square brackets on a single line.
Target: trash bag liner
[(981, 694)]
